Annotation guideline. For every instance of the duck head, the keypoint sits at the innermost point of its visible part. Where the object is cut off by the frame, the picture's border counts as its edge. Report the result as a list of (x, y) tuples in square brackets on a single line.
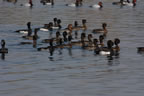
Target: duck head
[(3, 43), (100, 4), (84, 21), (116, 41), (89, 37), (55, 21), (101, 38), (110, 44), (104, 25), (83, 35), (70, 27), (57, 34), (29, 25), (75, 23), (65, 36)]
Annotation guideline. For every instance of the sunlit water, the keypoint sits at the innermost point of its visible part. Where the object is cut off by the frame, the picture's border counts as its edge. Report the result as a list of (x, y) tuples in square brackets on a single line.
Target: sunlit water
[(72, 72)]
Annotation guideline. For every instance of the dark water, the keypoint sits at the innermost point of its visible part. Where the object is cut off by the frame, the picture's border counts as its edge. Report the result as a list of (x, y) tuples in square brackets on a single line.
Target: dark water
[(73, 72)]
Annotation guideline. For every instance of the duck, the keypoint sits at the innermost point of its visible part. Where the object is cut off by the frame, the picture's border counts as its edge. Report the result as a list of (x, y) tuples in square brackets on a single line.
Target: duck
[(99, 5), (83, 27), (120, 2), (3, 50), (116, 42), (101, 43), (140, 49), (93, 45), (47, 27), (69, 29), (82, 42), (77, 3), (34, 38), (29, 4), (47, 2), (54, 39), (29, 36), (57, 24), (25, 31), (51, 26), (133, 4), (107, 50), (103, 30)]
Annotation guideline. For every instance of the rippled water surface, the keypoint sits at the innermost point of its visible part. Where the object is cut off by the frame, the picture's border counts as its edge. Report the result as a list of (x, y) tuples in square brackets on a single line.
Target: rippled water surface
[(72, 72)]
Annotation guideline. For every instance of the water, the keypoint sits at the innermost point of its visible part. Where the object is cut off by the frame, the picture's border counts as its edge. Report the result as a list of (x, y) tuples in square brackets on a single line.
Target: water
[(73, 72)]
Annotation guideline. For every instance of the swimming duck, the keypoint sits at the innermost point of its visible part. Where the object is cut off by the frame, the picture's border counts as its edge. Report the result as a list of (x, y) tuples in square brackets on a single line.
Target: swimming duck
[(3, 49), (120, 2), (29, 36), (47, 27), (76, 4), (25, 31), (101, 38), (69, 29), (140, 49), (54, 39), (83, 27), (47, 2), (116, 42), (81, 42), (99, 5), (103, 30), (107, 50), (133, 4), (29, 4)]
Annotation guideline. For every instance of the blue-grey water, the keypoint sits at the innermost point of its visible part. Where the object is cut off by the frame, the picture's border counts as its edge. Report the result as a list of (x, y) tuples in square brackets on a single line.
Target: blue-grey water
[(72, 72)]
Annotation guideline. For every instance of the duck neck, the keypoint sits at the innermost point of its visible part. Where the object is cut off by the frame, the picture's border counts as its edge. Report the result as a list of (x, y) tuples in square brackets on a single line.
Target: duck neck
[(84, 26), (30, 2), (3, 44), (52, 2), (29, 32)]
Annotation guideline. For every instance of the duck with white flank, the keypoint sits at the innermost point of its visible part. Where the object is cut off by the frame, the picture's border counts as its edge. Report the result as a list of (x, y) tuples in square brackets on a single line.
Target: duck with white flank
[(47, 2), (25, 31), (77, 3), (99, 5), (29, 4), (34, 38)]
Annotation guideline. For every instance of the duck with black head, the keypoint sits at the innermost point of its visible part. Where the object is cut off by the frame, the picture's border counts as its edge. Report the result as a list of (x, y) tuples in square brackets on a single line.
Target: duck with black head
[(25, 31), (101, 43), (56, 39), (34, 38), (47, 27), (29, 35), (116, 48), (3, 50), (107, 50)]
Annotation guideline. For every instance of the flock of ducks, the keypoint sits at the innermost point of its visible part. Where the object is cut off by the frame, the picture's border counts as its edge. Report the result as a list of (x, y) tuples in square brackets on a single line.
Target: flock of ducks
[(68, 37), (78, 3)]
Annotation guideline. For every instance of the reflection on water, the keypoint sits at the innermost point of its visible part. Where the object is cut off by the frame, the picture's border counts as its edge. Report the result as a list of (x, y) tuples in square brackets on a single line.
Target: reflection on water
[(71, 71)]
